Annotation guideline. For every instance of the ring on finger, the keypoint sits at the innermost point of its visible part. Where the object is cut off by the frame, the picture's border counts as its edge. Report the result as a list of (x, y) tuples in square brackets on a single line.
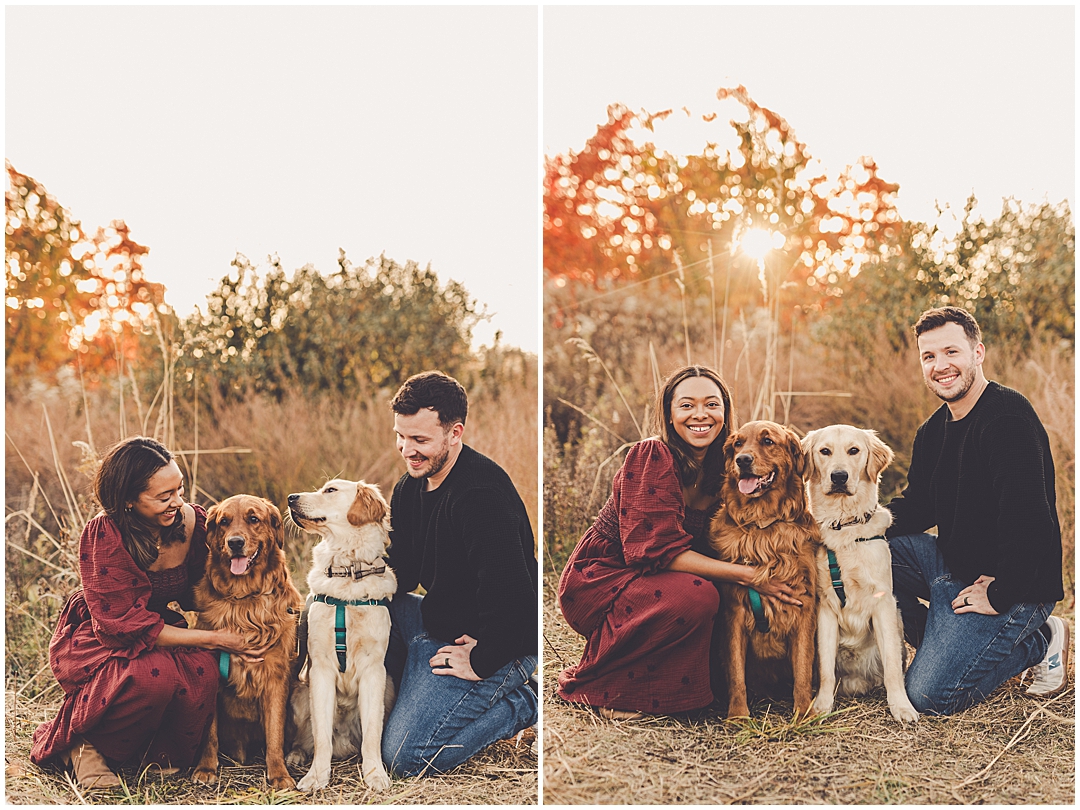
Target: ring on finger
[(967, 602)]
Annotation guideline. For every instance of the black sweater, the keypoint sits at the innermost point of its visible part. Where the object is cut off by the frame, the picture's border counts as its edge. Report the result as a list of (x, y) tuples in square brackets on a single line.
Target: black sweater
[(470, 544), (987, 483)]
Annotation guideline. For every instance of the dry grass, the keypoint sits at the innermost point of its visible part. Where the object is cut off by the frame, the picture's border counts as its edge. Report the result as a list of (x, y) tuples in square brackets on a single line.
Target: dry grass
[(1009, 750), (504, 773), (295, 444)]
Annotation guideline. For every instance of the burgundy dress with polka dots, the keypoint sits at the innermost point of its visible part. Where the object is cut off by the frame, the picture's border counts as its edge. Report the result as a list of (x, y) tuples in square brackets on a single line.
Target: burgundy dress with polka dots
[(647, 630), (127, 697)]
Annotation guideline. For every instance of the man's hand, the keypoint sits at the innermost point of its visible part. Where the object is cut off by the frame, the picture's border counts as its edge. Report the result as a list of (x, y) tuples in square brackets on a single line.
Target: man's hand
[(973, 598), (455, 660)]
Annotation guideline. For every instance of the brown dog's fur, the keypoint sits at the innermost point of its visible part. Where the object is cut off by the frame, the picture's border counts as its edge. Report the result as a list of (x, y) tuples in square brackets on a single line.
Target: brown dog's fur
[(255, 603), (772, 530)]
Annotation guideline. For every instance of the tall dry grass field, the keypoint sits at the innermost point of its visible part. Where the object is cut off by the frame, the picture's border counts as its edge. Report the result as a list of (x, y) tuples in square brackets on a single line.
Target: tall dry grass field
[(259, 445), (601, 368)]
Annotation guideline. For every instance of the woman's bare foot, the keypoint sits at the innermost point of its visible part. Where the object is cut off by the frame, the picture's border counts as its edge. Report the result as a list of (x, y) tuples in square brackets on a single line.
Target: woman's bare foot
[(91, 771), (618, 714)]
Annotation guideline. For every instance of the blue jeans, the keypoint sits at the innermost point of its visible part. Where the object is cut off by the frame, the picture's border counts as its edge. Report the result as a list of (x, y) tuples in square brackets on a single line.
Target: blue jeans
[(439, 721), (960, 658)]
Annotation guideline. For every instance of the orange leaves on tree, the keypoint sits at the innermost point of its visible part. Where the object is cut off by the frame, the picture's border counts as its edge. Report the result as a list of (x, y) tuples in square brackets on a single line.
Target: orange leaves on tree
[(67, 295)]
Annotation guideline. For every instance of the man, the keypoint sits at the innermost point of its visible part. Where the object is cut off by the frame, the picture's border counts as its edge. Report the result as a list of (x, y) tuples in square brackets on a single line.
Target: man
[(463, 653), (981, 472)]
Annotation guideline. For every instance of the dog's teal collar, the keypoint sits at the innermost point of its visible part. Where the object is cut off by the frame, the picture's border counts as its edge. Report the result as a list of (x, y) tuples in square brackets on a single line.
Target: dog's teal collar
[(834, 568), (339, 619), (760, 622), (223, 662)]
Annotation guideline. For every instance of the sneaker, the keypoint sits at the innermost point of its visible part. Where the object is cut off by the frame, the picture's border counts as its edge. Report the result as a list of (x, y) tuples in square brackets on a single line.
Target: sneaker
[(1050, 673)]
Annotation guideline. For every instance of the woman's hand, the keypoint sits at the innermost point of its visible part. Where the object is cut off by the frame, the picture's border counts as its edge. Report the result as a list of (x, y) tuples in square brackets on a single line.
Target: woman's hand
[(235, 644), (778, 590)]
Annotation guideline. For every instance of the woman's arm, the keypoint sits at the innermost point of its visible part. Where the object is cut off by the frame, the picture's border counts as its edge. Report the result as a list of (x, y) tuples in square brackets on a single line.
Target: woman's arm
[(692, 562), (226, 640)]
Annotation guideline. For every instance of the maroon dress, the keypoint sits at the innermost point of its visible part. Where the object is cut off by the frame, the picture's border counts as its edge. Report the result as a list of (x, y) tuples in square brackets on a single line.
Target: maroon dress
[(127, 697), (647, 630)]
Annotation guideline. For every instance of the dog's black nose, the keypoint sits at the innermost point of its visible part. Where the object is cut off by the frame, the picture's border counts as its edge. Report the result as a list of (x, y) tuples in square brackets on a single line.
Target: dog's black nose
[(839, 477), (236, 544), (744, 460), (293, 499)]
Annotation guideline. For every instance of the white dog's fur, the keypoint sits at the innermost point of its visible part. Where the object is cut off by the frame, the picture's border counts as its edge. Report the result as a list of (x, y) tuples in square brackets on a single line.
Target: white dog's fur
[(335, 712), (861, 644)]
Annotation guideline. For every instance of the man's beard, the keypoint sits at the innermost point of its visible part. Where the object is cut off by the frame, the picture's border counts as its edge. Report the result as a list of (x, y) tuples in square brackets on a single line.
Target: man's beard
[(967, 379), (436, 463)]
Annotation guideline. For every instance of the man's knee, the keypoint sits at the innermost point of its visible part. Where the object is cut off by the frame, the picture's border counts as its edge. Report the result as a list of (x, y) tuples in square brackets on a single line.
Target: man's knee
[(404, 756), (938, 693)]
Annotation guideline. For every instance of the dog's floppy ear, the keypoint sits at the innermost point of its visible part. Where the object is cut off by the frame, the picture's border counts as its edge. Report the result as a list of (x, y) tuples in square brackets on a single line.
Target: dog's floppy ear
[(276, 524), (368, 506), (798, 457), (807, 446), (212, 518), (879, 457)]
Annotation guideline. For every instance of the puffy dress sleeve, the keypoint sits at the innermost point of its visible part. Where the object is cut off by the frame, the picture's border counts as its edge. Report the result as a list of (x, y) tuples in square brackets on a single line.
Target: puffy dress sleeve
[(116, 591), (649, 498)]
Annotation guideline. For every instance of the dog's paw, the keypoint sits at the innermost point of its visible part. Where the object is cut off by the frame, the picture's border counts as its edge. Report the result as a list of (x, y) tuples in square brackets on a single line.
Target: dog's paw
[(822, 705), (904, 712), (296, 758), (207, 776), (313, 781), (281, 781), (376, 778)]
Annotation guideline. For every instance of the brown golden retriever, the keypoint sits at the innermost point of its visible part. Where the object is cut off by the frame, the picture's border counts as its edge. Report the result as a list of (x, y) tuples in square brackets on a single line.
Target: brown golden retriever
[(247, 589), (764, 522)]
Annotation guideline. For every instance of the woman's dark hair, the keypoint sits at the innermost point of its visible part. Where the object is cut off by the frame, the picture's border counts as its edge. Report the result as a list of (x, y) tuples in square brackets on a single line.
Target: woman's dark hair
[(124, 474), (688, 467), (435, 390)]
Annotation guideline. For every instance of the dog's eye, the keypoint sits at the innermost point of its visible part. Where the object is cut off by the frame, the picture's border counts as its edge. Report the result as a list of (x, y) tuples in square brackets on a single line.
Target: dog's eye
[(253, 518), (825, 451), (853, 451), (738, 443), (767, 441), (224, 521), (330, 489)]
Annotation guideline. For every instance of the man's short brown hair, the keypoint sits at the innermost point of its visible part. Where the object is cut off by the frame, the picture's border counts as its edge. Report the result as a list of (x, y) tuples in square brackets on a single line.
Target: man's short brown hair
[(935, 318), (435, 390)]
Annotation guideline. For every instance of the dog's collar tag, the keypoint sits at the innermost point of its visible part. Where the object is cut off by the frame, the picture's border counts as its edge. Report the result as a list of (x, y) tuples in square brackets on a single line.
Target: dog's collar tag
[(837, 525), (837, 580), (761, 623), (355, 572)]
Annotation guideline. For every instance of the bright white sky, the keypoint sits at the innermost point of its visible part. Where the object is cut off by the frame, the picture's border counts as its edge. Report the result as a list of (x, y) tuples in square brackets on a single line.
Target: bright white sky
[(947, 100), (412, 131)]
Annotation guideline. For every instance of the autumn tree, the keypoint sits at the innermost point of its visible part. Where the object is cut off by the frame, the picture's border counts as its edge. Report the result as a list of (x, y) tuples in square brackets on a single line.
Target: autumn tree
[(71, 295), (1015, 273), (616, 210), (359, 326)]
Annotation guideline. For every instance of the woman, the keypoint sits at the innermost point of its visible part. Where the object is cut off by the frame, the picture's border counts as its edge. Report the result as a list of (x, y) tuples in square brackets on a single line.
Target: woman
[(137, 681), (637, 585)]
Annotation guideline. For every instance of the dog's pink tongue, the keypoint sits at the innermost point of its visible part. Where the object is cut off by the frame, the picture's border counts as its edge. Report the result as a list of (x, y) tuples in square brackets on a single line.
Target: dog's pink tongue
[(238, 565), (748, 485)]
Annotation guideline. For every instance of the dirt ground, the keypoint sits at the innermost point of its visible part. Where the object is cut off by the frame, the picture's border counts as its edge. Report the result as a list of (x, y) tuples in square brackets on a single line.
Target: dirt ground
[(504, 773), (1012, 749)]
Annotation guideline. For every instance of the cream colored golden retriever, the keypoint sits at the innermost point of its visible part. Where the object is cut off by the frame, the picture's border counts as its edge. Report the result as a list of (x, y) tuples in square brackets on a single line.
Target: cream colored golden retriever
[(859, 632), (338, 712)]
